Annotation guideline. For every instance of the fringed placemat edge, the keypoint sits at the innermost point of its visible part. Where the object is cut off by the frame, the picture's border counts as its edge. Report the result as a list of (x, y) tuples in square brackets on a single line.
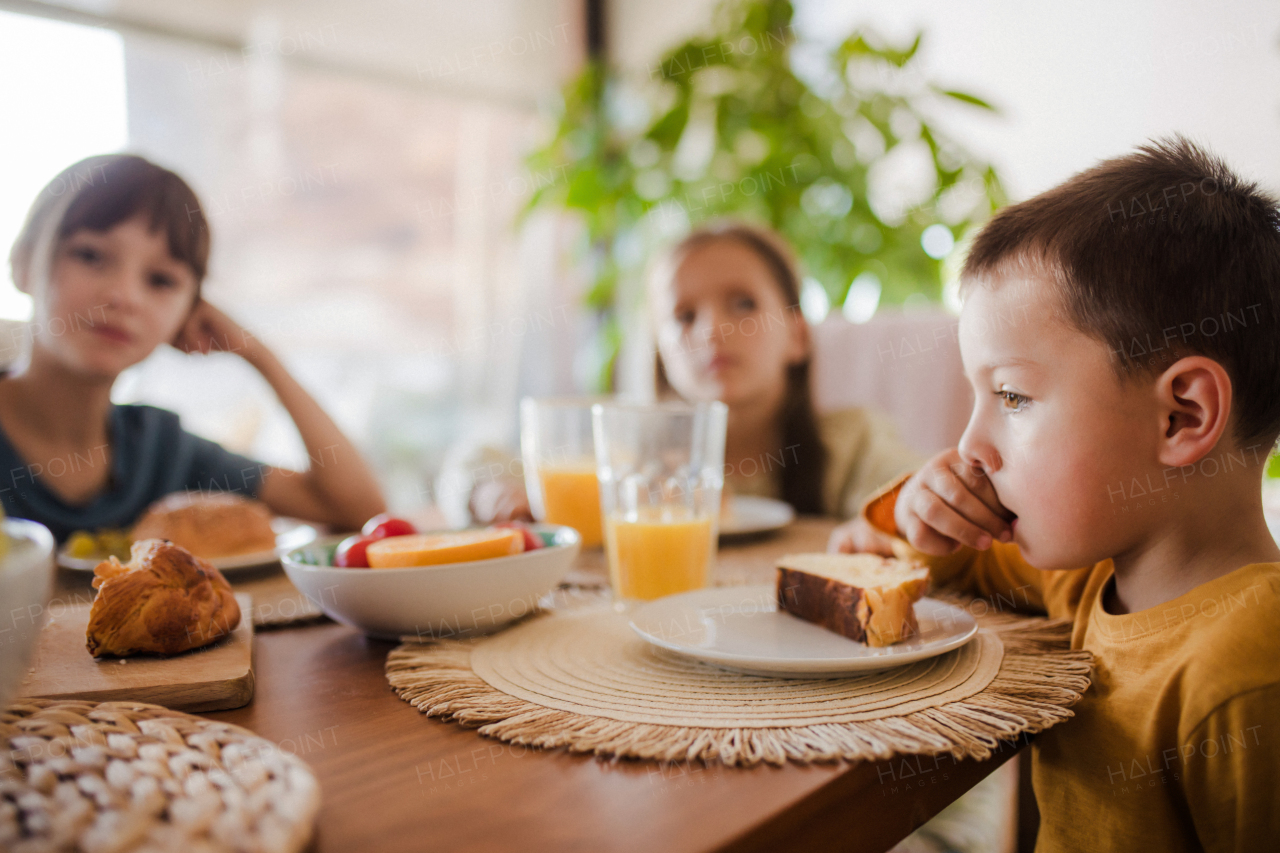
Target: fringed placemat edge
[(1037, 683)]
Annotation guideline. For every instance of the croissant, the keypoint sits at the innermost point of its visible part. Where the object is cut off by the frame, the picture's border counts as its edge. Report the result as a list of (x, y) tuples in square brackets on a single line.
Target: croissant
[(163, 601)]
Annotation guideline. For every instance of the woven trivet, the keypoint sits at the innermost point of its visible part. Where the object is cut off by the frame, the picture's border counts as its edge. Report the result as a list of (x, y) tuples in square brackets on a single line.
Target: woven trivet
[(584, 681), (124, 776), (276, 601)]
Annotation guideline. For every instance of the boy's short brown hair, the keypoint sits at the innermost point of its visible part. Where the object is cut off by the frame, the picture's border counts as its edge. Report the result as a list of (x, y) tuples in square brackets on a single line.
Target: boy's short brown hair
[(108, 189), (1160, 254)]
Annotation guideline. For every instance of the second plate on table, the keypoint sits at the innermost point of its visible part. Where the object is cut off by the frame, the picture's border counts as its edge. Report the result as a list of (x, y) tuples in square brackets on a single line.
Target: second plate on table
[(740, 628), (749, 515), (290, 534)]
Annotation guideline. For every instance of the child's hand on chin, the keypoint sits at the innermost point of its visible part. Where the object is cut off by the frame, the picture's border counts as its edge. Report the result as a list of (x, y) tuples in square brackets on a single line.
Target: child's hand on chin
[(209, 330), (857, 536), (949, 503)]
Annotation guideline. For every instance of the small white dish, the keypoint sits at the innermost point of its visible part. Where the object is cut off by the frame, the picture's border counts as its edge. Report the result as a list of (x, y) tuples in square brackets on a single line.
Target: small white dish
[(750, 515), (26, 573), (290, 534), (434, 602), (740, 628)]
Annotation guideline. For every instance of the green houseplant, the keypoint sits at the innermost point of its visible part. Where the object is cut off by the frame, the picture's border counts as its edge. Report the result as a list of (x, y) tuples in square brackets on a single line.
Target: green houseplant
[(843, 159)]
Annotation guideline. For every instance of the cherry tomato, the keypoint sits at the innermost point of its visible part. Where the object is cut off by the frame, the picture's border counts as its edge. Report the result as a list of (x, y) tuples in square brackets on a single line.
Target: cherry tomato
[(383, 525), (532, 541), (351, 552)]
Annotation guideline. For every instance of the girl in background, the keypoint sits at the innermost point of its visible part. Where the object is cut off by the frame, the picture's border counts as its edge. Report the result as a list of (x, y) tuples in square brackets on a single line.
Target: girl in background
[(113, 254), (725, 302), (725, 305)]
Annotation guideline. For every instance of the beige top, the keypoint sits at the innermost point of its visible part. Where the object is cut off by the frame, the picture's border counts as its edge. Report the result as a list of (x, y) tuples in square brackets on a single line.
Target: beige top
[(863, 453)]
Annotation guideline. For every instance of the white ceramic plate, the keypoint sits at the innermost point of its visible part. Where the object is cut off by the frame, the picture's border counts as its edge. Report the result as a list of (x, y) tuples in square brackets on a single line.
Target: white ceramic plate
[(290, 534), (740, 628), (750, 515)]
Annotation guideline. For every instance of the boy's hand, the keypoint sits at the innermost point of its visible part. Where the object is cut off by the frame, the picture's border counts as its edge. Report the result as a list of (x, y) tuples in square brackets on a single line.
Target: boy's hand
[(948, 503), (857, 536), (209, 330)]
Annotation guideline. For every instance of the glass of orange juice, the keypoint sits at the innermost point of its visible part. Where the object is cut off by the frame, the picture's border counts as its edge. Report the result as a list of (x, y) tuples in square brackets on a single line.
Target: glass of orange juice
[(661, 469), (557, 449)]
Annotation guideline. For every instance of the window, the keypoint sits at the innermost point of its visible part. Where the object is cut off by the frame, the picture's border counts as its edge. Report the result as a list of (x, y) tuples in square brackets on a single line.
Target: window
[(363, 228), (63, 99)]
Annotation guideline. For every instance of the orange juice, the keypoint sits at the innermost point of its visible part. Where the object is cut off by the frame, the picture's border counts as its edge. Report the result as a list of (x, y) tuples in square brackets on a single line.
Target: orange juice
[(658, 554), (571, 496)]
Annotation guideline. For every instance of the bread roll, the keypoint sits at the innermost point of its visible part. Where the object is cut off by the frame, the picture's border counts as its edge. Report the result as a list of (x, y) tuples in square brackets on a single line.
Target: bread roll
[(209, 525)]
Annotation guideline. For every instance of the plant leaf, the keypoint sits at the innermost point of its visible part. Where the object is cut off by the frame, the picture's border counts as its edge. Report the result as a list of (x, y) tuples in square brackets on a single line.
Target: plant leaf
[(967, 98)]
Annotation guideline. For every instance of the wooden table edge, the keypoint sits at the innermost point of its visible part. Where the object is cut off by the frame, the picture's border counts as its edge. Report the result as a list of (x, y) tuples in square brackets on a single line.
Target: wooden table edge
[(818, 821)]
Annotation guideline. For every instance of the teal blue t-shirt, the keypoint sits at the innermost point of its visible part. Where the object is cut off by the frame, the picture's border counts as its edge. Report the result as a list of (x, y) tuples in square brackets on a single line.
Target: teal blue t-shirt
[(151, 456)]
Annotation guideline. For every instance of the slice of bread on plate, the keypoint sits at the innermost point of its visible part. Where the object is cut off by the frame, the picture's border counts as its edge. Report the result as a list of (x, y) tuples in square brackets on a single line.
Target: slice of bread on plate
[(864, 597)]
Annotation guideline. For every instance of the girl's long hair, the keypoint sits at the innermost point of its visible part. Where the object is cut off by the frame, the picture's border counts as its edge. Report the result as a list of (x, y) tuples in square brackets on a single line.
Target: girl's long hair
[(803, 453)]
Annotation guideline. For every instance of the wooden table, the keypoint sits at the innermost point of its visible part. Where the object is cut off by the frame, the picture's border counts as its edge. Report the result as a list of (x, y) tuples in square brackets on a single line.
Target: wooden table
[(395, 780)]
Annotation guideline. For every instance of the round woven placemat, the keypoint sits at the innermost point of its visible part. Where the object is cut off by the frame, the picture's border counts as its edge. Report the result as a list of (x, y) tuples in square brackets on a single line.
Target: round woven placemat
[(126, 776), (583, 680), (591, 663)]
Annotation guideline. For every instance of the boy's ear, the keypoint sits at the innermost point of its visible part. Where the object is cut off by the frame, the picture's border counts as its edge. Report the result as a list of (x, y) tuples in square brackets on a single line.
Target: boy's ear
[(1194, 399)]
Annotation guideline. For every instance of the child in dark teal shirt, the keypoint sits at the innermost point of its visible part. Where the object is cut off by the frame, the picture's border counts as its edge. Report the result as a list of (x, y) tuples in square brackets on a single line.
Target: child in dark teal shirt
[(113, 254), (151, 457)]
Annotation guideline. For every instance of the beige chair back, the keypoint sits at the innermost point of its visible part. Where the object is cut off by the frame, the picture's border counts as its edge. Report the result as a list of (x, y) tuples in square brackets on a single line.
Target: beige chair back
[(904, 363)]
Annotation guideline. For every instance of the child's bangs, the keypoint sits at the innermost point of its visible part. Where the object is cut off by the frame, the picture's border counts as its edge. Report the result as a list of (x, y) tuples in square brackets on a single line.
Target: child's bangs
[(125, 187)]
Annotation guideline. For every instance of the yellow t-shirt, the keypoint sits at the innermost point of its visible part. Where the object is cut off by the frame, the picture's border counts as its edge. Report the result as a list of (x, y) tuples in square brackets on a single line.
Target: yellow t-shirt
[(863, 452), (1176, 745)]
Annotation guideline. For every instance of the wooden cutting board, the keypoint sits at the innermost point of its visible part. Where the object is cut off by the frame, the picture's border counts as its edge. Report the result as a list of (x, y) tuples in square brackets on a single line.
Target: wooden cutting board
[(212, 678)]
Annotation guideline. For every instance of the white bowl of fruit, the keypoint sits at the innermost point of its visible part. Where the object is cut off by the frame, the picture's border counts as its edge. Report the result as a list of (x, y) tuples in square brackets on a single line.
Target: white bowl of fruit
[(392, 581)]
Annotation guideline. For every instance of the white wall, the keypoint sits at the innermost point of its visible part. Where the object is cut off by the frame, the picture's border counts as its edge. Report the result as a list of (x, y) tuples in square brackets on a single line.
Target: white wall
[(1076, 82), (512, 51)]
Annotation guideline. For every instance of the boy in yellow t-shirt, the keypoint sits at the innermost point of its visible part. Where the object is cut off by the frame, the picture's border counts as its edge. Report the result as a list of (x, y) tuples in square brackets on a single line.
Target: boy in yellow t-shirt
[(1122, 336)]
